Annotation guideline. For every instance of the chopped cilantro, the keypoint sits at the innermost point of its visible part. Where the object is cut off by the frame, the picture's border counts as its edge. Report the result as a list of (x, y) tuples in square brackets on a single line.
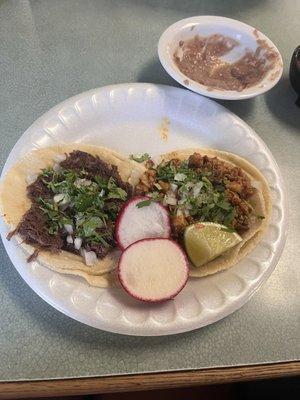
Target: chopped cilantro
[(224, 204), (229, 217), (91, 208), (53, 229), (144, 203), (142, 158), (204, 200), (117, 193), (227, 229), (83, 201), (90, 225)]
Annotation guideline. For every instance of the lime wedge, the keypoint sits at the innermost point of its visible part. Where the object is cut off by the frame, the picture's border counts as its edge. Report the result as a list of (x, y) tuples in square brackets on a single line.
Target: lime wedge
[(205, 241)]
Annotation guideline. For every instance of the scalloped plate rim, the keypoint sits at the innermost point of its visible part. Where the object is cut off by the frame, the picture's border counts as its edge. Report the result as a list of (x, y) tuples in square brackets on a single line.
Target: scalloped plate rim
[(185, 324)]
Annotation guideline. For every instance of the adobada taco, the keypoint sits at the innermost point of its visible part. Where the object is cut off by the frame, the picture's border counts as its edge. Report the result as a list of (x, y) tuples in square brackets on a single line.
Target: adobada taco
[(61, 204), (211, 185)]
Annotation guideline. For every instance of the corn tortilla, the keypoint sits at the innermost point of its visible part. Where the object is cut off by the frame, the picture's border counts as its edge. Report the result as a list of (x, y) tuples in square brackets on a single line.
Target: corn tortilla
[(14, 203), (260, 201)]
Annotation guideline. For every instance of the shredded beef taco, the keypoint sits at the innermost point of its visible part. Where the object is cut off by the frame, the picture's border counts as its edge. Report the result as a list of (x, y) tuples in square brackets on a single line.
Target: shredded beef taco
[(213, 186), (61, 204)]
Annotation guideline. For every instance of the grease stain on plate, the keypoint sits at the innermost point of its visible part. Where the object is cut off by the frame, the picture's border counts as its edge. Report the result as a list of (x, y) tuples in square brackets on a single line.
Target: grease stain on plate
[(164, 129)]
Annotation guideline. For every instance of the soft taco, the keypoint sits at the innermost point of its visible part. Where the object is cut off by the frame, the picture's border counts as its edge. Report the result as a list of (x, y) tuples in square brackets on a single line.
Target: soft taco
[(61, 204), (210, 185)]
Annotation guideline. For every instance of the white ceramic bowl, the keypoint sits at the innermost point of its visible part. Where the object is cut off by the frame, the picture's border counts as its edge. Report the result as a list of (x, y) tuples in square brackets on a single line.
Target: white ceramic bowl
[(207, 25)]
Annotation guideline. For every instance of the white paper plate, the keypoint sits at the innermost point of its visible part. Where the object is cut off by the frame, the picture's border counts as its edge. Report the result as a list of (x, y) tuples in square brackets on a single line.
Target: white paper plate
[(130, 118)]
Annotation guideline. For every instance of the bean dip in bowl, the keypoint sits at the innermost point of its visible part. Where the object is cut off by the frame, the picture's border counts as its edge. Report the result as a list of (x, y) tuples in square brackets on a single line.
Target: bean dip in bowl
[(220, 57)]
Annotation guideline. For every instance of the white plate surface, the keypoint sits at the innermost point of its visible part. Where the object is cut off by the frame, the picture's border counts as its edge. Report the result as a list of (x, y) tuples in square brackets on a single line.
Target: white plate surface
[(130, 118)]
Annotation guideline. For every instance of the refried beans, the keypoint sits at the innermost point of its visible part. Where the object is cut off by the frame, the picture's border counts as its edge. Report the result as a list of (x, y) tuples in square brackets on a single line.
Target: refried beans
[(200, 59)]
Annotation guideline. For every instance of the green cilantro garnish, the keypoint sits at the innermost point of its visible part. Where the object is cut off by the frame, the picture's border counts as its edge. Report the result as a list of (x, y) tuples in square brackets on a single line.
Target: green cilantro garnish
[(144, 203), (142, 158), (90, 225), (229, 217), (89, 204), (204, 200), (227, 229)]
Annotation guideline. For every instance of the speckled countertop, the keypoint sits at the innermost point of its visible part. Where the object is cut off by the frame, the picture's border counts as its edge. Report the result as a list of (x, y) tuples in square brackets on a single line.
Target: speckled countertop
[(51, 50)]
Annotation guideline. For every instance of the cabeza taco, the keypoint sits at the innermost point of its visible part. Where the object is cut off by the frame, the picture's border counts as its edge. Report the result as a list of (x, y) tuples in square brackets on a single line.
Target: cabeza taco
[(61, 204), (210, 186)]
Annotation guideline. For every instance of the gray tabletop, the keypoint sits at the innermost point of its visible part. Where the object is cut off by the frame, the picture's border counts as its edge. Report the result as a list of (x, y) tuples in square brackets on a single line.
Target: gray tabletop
[(51, 50)]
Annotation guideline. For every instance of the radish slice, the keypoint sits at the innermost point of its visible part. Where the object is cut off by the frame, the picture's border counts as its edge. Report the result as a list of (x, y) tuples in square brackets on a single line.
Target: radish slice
[(153, 270), (133, 223)]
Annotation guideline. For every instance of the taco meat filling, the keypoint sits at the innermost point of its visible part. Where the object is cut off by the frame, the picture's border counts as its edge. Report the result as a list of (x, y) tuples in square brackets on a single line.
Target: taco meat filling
[(74, 207), (201, 188)]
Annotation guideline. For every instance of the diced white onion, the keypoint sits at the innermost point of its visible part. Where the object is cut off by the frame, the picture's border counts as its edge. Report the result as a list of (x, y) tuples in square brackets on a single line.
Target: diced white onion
[(180, 177), (90, 257), (188, 185), (157, 185), (170, 198), (77, 243), (197, 189), (183, 196), (172, 201), (186, 212), (102, 193), (69, 228), (65, 200), (174, 187), (179, 212), (31, 178), (58, 197), (170, 194), (69, 239), (56, 167), (62, 199), (82, 182), (59, 157)]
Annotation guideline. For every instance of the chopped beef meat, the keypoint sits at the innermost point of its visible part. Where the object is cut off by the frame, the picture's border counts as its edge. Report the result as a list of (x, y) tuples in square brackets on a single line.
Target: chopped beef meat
[(195, 161), (33, 230), (225, 178), (11, 234), (237, 184), (79, 160), (178, 223), (165, 186), (234, 177), (146, 182), (38, 189), (101, 251), (32, 256)]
